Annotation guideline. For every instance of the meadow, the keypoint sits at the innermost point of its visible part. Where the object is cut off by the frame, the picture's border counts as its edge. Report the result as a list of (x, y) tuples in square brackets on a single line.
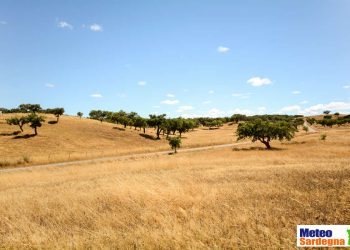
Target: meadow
[(243, 197)]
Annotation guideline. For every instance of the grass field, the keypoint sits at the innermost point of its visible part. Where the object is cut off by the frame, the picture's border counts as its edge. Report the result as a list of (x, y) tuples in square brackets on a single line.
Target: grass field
[(245, 198), (73, 138)]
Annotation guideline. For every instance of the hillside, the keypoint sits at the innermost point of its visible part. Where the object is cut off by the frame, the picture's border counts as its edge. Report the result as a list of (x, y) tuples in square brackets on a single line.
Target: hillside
[(73, 138)]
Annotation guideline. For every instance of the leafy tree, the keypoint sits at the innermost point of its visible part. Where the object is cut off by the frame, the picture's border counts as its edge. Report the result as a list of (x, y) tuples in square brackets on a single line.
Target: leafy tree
[(175, 143), (80, 114), (156, 121), (56, 112), (30, 108), (238, 117), (17, 121), (98, 115), (265, 131), (140, 123), (336, 114), (35, 121), (326, 112)]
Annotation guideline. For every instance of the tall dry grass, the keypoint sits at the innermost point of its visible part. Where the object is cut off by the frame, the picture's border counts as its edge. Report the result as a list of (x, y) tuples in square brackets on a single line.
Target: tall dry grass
[(224, 199)]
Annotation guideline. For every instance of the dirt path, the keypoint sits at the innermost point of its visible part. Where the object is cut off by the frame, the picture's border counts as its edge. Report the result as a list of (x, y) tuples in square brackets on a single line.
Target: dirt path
[(111, 158), (311, 129)]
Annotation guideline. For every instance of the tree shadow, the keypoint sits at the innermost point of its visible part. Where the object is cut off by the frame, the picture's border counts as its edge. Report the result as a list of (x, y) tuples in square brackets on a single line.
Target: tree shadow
[(9, 134), (52, 122), (27, 136), (121, 129), (149, 137), (258, 149)]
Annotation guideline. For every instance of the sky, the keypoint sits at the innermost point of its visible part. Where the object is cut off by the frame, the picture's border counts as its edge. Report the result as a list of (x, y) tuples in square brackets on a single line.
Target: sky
[(183, 58)]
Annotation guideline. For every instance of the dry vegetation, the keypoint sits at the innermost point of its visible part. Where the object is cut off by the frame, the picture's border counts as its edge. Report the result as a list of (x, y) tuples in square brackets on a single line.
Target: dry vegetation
[(245, 198), (73, 138)]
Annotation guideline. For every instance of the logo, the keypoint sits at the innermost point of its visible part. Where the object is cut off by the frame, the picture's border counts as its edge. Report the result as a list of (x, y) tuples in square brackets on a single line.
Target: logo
[(323, 235)]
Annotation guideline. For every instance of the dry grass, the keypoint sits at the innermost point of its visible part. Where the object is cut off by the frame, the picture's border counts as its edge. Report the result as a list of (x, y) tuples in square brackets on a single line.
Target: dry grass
[(73, 138), (247, 199)]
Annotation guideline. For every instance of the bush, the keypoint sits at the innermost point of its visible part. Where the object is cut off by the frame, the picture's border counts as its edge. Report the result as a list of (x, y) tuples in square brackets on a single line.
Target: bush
[(323, 137)]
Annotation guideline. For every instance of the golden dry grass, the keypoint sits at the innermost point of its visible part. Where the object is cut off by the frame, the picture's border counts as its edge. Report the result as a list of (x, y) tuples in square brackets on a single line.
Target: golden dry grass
[(73, 138), (222, 199)]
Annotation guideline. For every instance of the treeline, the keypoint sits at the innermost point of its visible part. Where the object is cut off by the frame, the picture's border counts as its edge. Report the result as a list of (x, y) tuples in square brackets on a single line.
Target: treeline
[(330, 120), (33, 119)]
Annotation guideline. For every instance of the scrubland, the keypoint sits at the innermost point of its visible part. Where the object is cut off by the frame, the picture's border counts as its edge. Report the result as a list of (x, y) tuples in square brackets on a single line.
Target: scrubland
[(234, 198)]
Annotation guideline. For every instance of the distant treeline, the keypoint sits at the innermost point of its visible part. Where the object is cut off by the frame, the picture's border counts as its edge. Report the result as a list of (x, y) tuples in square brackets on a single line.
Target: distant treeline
[(33, 108), (330, 120)]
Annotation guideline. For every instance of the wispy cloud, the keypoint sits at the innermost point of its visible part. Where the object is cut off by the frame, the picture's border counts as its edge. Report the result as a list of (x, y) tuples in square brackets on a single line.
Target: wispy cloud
[(95, 27), (296, 92), (142, 83), (3, 22), (258, 81), (211, 92), (240, 111), (346, 87), (64, 25), (214, 112), (170, 95), (291, 109), (170, 102), (49, 85), (184, 108), (223, 49), (96, 95), (156, 106), (242, 95), (304, 102), (206, 102)]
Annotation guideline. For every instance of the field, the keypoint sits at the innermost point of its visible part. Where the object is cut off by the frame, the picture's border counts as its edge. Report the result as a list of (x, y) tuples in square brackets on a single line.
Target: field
[(234, 198), (73, 138)]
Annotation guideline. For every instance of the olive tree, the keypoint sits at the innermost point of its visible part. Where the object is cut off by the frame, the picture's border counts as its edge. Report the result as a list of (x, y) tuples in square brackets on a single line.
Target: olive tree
[(80, 114), (35, 121), (265, 131), (156, 121), (175, 143), (17, 121), (56, 112)]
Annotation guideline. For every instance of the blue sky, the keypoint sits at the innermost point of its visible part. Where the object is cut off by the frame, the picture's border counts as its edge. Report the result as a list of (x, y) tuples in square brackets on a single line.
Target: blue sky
[(181, 57)]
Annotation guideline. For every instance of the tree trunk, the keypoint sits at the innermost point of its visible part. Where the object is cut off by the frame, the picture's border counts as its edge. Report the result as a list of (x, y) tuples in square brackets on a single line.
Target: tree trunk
[(35, 131), (267, 144), (144, 130), (21, 127), (58, 117), (180, 134), (175, 150)]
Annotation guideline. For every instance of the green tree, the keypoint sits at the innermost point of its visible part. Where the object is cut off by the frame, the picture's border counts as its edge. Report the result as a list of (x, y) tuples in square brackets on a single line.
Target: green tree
[(80, 114), (140, 122), (17, 121), (98, 115), (175, 143), (56, 112), (29, 108), (35, 121), (156, 121), (265, 131)]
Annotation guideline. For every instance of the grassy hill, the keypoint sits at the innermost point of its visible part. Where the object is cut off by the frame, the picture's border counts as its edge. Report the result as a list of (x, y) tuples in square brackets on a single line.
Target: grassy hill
[(73, 138)]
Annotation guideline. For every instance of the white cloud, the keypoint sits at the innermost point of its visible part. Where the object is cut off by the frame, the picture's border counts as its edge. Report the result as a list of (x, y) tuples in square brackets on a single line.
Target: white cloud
[(346, 87), (258, 81), (214, 112), (222, 49), (291, 109), (49, 85), (261, 110), (296, 92), (206, 102), (242, 95), (240, 111), (170, 102), (96, 95), (211, 92), (170, 95), (184, 108), (3, 22), (95, 27), (64, 25), (333, 106), (303, 102), (142, 83)]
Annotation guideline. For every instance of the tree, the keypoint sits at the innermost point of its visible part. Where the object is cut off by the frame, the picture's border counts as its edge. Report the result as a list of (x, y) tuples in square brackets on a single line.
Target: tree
[(156, 122), (140, 123), (17, 121), (306, 129), (265, 131), (80, 114), (35, 121), (56, 112), (175, 143), (238, 117), (29, 108), (326, 112), (98, 115)]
